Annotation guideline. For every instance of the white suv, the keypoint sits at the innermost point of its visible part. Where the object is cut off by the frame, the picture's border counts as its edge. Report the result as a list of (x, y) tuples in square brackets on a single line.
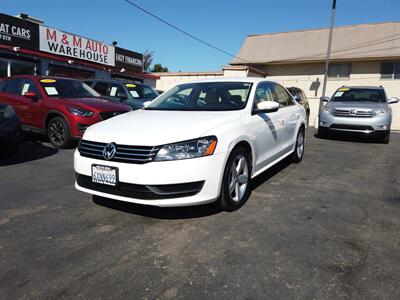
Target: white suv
[(196, 143)]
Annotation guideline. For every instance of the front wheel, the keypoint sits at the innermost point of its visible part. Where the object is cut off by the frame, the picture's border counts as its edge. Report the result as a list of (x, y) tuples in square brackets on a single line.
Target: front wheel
[(299, 148), (59, 133), (236, 181)]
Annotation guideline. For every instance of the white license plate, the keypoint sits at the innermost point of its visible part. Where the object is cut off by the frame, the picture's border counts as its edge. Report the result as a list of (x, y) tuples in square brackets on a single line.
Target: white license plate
[(104, 175)]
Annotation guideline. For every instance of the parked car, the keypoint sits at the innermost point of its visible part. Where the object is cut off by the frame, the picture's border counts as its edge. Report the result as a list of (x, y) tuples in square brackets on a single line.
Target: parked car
[(357, 109), (130, 93), (299, 95), (194, 144), (62, 108), (10, 130)]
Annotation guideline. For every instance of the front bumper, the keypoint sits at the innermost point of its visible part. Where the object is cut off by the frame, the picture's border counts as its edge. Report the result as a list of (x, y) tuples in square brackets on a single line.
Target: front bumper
[(10, 130), (200, 177), (354, 124)]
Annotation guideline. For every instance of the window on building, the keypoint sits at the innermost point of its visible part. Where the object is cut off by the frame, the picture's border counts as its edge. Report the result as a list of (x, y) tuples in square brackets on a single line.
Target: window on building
[(390, 70), (22, 68), (339, 70)]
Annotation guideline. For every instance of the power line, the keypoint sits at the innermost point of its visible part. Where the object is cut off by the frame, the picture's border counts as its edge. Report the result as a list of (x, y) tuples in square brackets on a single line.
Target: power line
[(188, 34)]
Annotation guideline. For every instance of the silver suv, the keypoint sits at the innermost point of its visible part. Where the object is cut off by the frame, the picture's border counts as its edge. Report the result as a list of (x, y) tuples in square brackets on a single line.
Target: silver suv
[(357, 109)]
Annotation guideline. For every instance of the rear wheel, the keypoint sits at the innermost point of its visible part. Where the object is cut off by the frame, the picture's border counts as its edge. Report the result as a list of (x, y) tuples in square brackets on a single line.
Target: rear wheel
[(299, 148), (59, 133), (236, 181)]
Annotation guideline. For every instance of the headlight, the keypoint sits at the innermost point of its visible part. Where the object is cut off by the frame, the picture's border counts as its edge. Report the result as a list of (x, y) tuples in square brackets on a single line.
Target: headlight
[(189, 149), (381, 112), (328, 109), (8, 111), (80, 112)]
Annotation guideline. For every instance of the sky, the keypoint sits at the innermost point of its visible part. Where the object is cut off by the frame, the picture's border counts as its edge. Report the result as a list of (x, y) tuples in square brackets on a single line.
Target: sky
[(222, 23)]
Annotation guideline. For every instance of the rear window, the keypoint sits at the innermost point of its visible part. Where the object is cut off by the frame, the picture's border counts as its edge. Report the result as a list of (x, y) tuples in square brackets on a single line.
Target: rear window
[(359, 95)]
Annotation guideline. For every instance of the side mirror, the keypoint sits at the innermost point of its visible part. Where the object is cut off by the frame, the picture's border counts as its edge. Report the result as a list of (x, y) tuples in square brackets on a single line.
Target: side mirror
[(32, 96), (297, 98), (147, 103), (393, 100), (324, 99), (266, 107)]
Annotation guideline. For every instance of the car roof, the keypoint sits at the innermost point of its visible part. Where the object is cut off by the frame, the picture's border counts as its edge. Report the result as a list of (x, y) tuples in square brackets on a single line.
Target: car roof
[(112, 80), (231, 79)]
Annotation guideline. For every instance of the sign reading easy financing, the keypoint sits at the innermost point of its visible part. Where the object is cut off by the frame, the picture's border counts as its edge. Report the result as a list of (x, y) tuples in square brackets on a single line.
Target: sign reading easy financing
[(18, 32), (67, 44)]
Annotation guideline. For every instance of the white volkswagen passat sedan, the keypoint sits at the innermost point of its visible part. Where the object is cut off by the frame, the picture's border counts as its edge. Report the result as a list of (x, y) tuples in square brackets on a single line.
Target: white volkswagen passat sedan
[(196, 143)]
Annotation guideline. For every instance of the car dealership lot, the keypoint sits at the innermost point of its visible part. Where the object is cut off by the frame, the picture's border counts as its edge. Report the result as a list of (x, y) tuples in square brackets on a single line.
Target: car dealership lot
[(328, 227)]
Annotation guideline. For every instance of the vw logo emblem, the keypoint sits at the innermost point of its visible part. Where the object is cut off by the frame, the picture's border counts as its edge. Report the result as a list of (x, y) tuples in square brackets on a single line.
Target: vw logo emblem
[(352, 112), (109, 151)]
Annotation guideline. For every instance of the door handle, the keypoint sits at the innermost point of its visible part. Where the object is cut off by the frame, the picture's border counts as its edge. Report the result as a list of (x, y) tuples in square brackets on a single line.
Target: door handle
[(281, 121)]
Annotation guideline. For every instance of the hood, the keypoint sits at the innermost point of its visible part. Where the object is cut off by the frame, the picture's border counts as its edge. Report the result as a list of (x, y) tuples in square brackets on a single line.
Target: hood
[(96, 104), (153, 128), (356, 105)]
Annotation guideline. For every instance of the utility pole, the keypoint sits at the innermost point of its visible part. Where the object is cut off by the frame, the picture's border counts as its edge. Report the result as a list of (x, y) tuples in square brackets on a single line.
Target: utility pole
[(328, 52)]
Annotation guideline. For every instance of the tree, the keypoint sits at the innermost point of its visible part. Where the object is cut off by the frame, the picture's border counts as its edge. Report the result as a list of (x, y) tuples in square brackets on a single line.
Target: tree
[(147, 59), (159, 68)]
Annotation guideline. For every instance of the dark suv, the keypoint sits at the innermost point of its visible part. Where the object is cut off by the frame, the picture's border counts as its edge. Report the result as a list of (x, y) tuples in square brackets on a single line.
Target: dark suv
[(62, 108), (130, 93)]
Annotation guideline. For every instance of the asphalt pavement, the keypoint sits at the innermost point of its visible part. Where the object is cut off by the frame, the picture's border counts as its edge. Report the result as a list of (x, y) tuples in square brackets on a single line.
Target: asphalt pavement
[(328, 228)]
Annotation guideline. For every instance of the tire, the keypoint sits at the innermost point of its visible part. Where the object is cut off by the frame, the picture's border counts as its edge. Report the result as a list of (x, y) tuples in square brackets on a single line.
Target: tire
[(386, 138), (235, 192), (59, 133), (322, 134), (298, 152)]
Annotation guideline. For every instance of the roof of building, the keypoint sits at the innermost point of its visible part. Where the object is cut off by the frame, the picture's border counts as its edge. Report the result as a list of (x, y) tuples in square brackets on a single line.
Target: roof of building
[(364, 41)]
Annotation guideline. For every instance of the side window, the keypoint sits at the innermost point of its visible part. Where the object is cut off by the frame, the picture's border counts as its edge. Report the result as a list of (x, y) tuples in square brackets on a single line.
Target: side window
[(15, 86), (116, 90), (264, 92), (283, 97), (29, 86)]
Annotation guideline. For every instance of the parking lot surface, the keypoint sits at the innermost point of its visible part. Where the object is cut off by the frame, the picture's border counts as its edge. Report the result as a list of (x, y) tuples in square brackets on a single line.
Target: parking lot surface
[(326, 228)]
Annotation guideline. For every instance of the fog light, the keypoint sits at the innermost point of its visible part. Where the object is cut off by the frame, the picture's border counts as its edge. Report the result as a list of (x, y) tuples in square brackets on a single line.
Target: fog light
[(383, 127), (322, 123)]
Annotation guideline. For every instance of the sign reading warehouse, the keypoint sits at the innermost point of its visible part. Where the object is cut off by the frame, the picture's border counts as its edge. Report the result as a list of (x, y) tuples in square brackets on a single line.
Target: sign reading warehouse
[(22, 33), (67, 44), (18, 32)]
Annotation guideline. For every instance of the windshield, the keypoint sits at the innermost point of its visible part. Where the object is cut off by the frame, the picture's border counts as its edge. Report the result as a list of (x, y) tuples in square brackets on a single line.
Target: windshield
[(66, 88), (206, 96), (359, 95), (139, 91)]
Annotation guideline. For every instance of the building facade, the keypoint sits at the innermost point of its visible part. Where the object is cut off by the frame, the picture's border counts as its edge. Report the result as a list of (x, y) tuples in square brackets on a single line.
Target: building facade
[(29, 47)]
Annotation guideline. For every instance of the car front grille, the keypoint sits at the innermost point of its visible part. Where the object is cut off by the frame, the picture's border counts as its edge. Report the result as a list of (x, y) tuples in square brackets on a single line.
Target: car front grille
[(109, 114), (145, 192), (124, 153), (353, 113)]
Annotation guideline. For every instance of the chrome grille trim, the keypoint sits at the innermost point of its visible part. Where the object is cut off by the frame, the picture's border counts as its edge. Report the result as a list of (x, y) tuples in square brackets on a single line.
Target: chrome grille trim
[(356, 114), (125, 153)]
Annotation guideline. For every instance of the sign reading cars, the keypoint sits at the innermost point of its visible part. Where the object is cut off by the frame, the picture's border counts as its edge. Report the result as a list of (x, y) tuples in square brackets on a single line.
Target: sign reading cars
[(18, 32), (67, 44)]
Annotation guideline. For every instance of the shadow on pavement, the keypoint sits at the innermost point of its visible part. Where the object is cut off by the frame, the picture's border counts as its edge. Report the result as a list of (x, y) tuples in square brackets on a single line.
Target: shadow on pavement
[(28, 151), (166, 213), (271, 172), (350, 137)]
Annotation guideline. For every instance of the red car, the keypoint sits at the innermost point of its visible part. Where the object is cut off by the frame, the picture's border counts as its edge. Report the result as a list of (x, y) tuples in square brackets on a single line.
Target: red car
[(62, 108)]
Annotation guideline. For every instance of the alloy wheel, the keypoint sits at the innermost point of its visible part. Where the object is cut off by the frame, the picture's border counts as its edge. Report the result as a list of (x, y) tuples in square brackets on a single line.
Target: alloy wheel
[(300, 144), (57, 133), (238, 178)]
